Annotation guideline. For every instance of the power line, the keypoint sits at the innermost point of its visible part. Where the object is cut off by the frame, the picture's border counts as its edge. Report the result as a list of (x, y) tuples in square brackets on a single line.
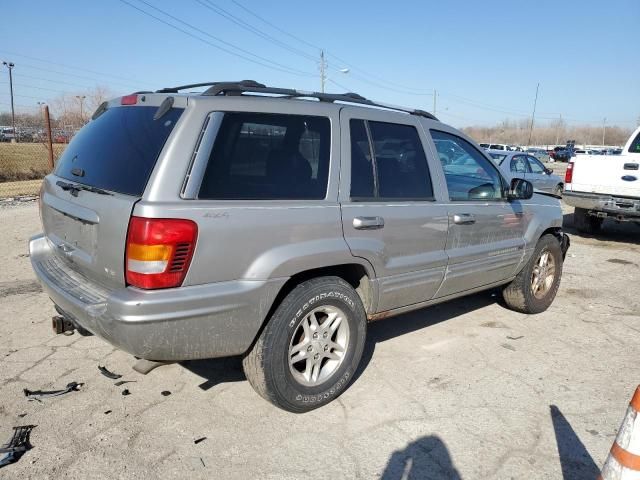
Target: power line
[(65, 65), (265, 62), (53, 81), (247, 26), (22, 85), (48, 70)]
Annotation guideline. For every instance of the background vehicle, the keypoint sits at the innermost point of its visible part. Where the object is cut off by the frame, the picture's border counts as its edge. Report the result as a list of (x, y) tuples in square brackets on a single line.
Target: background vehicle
[(7, 134), (226, 223), (516, 164), (540, 153), (605, 186), (561, 154)]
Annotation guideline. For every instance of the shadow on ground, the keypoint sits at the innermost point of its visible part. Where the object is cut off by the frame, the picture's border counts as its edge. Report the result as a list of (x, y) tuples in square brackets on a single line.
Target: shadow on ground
[(611, 231), (426, 458), (225, 370), (575, 461)]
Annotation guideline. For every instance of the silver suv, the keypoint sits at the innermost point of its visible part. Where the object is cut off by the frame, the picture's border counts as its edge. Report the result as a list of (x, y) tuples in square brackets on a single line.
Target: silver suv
[(274, 223)]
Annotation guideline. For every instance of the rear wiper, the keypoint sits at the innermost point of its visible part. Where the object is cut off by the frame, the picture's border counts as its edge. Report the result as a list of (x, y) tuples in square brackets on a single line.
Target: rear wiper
[(75, 188)]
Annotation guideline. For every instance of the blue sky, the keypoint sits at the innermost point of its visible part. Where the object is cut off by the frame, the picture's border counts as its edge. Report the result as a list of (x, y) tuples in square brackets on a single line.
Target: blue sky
[(484, 58)]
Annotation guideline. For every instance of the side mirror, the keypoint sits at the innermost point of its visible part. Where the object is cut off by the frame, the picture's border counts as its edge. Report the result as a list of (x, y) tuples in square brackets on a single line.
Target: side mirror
[(520, 189), (548, 171)]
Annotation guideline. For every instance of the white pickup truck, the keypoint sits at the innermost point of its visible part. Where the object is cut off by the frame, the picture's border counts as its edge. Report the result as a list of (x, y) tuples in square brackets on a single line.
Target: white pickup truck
[(605, 186)]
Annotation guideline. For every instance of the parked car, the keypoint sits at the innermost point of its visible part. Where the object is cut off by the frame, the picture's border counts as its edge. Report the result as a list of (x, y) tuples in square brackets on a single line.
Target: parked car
[(605, 187), (503, 146), (7, 134), (561, 154), (256, 221), (540, 153), (516, 164), (484, 145)]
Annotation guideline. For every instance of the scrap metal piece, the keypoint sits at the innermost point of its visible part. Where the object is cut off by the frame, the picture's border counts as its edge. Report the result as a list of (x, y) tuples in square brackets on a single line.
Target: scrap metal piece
[(17, 445), (40, 394), (104, 371), (122, 382)]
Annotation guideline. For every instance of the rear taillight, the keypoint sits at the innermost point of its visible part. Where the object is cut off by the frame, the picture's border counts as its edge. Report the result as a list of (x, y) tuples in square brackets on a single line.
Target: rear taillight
[(129, 99), (159, 251), (568, 175)]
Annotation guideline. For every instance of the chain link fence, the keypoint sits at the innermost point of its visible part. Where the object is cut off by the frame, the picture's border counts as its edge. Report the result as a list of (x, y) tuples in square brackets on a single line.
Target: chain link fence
[(25, 157)]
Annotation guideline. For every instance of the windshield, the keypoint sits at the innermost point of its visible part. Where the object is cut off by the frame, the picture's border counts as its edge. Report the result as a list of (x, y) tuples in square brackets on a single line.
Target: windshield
[(118, 150)]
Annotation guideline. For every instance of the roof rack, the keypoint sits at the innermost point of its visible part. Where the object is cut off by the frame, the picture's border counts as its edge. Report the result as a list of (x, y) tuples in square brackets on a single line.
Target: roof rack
[(251, 86), (248, 83)]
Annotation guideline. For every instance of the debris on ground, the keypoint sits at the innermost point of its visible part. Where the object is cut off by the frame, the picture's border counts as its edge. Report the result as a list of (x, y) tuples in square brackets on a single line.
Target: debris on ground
[(165, 393), (126, 392), (198, 440), (122, 382), (38, 395), (515, 338), (508, 347), (104, 371), (17, 445), (107, 412), (22, 415)]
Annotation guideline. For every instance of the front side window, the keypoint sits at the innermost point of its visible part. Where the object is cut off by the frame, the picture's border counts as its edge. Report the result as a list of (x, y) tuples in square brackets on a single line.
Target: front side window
[(469, 174), (399, 169), (535, 165), (264, 156), (519, 164)]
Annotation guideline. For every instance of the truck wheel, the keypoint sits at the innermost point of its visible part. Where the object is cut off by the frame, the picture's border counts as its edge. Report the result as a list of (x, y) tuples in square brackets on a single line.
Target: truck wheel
[(535, 287), (309, 350), (586, 223)]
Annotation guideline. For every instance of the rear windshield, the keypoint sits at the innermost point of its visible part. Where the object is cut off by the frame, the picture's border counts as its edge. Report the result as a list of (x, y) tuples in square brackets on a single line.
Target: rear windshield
[(118, 150)]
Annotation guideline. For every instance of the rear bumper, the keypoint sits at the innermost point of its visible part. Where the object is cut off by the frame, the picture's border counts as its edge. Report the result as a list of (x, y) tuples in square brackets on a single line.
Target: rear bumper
[(607, 205), (202, 321)]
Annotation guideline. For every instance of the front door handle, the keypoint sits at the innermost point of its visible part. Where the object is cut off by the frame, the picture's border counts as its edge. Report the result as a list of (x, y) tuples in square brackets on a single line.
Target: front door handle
[(464, 219), (368, 223)]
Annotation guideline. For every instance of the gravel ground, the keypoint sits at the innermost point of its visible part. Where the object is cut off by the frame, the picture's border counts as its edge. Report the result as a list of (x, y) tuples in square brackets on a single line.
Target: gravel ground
[(464, 390)]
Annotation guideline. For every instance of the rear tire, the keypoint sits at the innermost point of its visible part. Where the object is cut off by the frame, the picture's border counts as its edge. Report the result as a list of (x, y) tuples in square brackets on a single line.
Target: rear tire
[(586, 223), (535, 287), (309, 350)]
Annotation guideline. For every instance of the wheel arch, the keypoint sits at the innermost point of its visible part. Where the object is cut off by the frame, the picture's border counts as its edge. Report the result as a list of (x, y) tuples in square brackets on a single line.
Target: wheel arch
[(359, 275)]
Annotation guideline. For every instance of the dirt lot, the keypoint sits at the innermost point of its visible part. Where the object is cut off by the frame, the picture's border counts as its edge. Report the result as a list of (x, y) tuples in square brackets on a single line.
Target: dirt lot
[(464, 390)]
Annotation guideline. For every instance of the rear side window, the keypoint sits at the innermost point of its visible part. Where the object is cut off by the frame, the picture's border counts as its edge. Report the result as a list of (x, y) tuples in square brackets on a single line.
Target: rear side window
[(635, 145), (399, 169), (118, 150), (519, 164), (260, 156)]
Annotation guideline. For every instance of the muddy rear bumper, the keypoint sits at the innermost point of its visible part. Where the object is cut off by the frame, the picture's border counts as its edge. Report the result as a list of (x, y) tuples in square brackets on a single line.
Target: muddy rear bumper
[(202, 321), (621, 208)]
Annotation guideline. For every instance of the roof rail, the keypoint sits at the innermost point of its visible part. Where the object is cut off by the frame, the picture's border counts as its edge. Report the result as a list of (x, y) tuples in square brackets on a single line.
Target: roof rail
[(251, 86), (247, 83)]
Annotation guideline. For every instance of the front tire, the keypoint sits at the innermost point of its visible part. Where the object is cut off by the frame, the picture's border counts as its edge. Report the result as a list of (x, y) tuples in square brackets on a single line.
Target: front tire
[(310, 348), (535, 287)]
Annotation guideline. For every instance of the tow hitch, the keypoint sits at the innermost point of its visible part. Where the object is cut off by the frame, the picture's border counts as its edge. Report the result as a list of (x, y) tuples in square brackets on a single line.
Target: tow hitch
[(62, 325)]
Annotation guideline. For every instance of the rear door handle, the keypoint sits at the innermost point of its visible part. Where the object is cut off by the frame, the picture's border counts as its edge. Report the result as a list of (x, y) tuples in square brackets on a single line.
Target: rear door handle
[(368, 223), (464, 219)]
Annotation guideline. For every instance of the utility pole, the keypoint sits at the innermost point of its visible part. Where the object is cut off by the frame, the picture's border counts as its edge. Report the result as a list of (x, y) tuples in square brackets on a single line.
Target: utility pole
[(10, 66), (81, 98), (435, 95), (558, 129), (604, 129), (533, 116), (323, 71)]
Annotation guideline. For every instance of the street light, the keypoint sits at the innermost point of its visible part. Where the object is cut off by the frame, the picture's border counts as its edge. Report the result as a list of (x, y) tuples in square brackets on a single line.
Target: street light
[(81, 98), (10, 66)]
